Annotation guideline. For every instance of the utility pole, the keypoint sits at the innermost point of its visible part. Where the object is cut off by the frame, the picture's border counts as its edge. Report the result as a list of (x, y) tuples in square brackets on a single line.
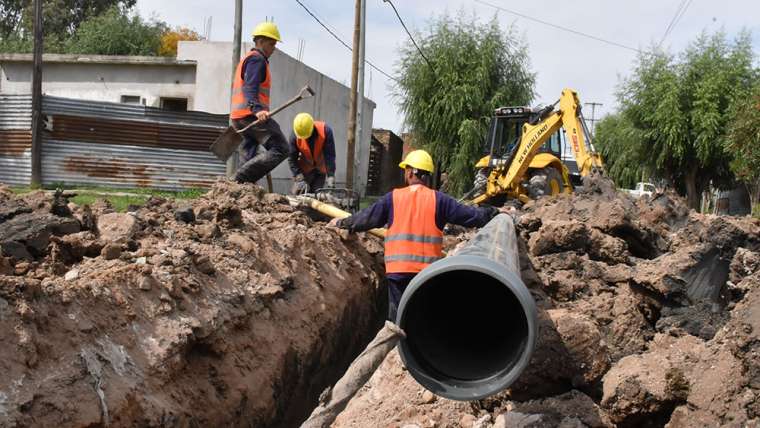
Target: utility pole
[(593, 115), (360, 79), (37, 98), (352, 111), (232, 162)]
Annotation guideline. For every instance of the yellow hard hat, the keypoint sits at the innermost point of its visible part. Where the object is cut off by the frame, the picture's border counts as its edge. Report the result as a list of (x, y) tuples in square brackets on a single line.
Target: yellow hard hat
[(303, 125), (418, 159), (267, 29)]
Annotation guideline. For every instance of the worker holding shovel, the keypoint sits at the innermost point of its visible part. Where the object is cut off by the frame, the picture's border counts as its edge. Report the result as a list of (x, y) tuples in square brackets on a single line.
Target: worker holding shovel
[(312, 154), (250, 103)]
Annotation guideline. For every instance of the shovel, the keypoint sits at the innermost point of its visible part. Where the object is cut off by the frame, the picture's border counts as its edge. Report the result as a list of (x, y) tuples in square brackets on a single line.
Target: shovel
[(226, 144)]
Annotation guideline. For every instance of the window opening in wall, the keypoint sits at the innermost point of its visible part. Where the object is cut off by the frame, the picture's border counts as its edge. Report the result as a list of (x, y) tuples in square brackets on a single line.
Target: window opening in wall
[(130, 99), (174, 104)]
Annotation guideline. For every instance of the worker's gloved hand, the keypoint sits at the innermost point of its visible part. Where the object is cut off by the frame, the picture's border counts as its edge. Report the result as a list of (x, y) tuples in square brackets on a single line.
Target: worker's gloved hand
[(299, 185), (510, 211), (330, 182), (262, 115)]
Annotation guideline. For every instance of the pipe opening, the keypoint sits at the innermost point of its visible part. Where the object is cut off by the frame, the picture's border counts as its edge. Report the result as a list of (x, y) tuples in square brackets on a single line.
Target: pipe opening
[(465, 326)]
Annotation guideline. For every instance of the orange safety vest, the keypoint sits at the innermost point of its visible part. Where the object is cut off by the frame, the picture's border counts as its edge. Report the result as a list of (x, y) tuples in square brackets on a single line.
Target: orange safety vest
[(239, 106), (414, 240), (307, 161)]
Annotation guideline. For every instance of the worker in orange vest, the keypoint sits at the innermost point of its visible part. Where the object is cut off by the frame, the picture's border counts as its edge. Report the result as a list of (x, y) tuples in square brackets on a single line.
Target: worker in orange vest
[(312, 154), (416, 216), (264, 146)]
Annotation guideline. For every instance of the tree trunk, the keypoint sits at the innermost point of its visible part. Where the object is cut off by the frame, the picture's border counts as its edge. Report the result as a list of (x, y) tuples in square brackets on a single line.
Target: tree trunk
[(753, 188), (692, 191)]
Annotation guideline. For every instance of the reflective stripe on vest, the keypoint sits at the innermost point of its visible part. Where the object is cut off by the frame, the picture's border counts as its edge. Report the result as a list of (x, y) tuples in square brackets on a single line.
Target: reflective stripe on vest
[(239, 107), (308, 161), (413, 240)]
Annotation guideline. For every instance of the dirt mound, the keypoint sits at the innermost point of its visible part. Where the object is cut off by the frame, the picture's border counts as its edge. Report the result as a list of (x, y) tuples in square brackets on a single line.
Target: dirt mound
[(236, 309), (239, 316), (648, 315)]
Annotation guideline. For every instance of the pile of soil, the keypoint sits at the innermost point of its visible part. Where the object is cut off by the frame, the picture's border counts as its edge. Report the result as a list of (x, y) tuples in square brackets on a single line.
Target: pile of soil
[(232, 309), (649, 316)]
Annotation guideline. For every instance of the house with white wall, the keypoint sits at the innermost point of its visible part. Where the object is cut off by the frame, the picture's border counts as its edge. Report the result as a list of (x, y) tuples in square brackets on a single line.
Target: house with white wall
[(199, 78)]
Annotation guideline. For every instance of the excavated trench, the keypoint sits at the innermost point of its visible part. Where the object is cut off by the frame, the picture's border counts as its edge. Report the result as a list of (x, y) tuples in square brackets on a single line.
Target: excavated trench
[(234, 310), (238, 310), (648, 315)]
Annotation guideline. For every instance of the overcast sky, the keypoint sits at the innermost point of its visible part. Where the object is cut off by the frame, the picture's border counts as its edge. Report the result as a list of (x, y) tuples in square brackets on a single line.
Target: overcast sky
[(560, 58)]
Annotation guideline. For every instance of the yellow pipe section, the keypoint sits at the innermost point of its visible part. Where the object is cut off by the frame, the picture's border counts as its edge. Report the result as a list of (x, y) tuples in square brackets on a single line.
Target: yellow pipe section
[(334, 212)]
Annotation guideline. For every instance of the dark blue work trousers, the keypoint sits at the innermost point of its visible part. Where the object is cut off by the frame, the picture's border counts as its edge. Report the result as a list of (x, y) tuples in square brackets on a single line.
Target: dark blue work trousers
[(397, 283)]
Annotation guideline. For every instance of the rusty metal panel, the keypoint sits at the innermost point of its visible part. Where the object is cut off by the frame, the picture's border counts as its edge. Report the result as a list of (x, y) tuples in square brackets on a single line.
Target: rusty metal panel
[(110, 144), (15, 139), (16, 170), (123, 166), (15, 157), (104, 110), (136, 133), (15, 111)]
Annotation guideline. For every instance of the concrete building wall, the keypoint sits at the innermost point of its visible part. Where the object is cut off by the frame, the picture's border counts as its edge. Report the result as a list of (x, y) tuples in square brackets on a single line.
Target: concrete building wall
[(103, 82), (201, 73), (331, 103)]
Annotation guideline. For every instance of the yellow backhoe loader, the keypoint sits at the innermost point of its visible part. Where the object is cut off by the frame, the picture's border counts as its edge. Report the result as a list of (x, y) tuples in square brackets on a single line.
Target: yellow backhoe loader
[(525, 152)]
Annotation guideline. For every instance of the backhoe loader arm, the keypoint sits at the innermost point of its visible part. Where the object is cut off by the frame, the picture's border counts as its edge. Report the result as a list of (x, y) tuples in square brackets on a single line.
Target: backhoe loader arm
[(577, 133), (506, 175), (533, 137)]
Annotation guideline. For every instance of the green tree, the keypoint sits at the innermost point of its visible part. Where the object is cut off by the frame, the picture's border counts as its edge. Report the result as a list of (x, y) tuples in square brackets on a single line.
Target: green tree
[(618, 142), (744, 143), (61, 19), (680, 108), (474, 68), (117, 32), (11, 11)]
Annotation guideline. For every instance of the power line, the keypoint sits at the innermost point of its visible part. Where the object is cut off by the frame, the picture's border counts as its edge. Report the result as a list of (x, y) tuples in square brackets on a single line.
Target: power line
[(677, 20), (559, 27), (319, 21), (672, 20), (410, 34)]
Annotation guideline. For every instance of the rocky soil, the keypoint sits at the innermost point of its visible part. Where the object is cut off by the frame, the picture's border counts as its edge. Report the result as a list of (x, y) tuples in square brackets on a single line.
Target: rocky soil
[(650, 316), (231, 310), (237, 310)]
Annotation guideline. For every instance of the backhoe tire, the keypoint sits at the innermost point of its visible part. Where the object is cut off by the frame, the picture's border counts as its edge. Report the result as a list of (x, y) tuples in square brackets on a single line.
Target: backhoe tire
[(545, 182)]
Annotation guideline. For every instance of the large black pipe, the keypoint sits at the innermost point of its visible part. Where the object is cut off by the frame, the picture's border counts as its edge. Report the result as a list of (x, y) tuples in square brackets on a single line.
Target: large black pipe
[(470, 322)]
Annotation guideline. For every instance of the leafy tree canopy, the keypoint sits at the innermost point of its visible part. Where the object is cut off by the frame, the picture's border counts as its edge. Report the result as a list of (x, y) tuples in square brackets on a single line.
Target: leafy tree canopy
[(675, 112), (744, 142), (61, 17), (105, 27), (475, 68), (117, 32), (618, 142)]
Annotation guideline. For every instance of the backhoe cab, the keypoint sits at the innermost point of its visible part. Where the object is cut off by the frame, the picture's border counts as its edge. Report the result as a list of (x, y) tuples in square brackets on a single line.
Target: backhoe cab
[(524, 149)]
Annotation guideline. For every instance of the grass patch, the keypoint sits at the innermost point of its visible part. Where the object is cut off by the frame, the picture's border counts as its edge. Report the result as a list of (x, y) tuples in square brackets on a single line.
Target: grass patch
[(368, 200), (120, 199)]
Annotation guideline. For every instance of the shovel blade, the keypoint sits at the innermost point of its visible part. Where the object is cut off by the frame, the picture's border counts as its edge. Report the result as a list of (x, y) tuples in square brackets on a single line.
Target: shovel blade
[(226, 144)]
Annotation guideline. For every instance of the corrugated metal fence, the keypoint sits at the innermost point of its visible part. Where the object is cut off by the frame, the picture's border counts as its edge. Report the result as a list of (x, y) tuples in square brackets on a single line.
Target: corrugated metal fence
[(15, 139), (109, 144)]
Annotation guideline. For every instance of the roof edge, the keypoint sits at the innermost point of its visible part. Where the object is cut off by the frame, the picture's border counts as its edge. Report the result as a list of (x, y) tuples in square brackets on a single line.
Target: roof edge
[(98, 59)]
